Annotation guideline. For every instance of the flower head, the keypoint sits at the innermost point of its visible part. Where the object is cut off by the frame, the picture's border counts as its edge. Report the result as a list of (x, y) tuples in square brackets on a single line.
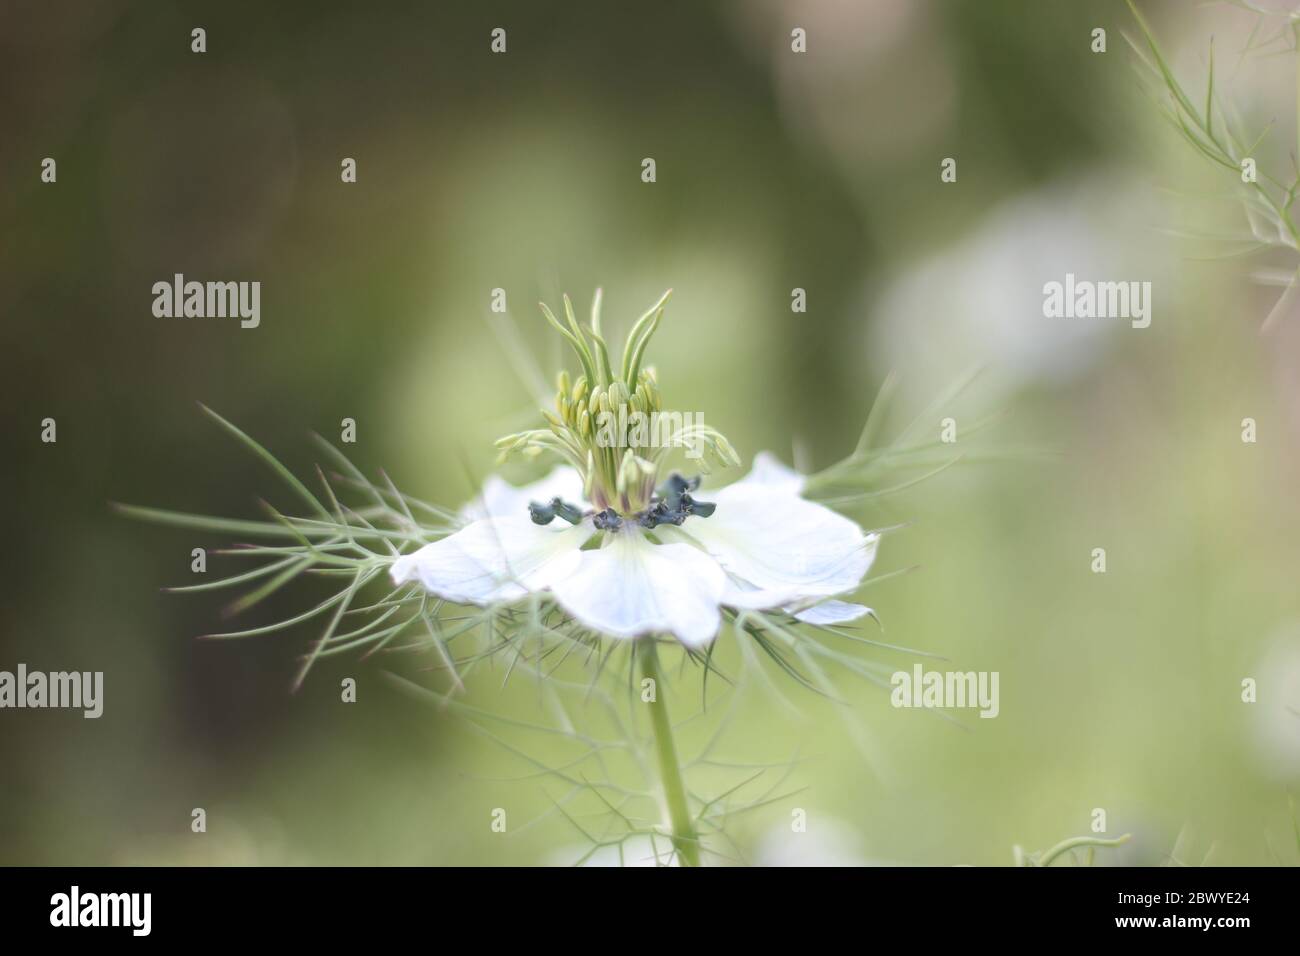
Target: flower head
[(626, 550), (611, 423)]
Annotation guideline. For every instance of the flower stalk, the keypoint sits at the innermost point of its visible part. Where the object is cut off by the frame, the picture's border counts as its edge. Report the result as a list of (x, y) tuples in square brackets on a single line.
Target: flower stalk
[(685, 840)]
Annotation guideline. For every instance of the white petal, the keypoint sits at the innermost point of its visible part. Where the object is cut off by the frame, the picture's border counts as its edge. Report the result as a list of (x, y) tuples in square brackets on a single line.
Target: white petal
[(631, 587), (500, 499), (782, 548), (769, 472), (831, 612), (741, 594), (496, 559)]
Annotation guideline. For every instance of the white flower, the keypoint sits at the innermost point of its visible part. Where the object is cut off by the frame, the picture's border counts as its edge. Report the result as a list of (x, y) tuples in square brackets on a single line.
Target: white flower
[(764, 547)]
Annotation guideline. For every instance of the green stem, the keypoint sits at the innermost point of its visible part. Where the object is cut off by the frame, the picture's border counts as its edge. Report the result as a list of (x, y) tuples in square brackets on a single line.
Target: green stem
[(685, 840)]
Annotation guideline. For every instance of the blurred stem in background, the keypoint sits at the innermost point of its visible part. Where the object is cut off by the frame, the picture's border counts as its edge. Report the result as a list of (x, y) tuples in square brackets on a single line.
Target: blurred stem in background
[(685, 840), (1266, 201)]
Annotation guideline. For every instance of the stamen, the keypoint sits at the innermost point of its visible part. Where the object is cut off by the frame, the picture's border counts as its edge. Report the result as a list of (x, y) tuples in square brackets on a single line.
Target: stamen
[(672, 505), (700, 508), (545, 514), (566, 511), (677, 484), (675, 508)]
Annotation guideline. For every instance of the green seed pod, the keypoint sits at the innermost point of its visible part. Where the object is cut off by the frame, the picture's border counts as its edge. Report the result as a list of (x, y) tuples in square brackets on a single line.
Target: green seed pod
[(562, 381), (579, 392), (593, 403), (584, 424)]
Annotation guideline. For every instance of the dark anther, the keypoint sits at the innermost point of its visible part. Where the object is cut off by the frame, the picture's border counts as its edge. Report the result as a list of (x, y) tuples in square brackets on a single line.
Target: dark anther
[(566, 511), (545, 514), (654, 516), (700, 508), (672, 504), (657, 514), (677, 485), (674, 508)]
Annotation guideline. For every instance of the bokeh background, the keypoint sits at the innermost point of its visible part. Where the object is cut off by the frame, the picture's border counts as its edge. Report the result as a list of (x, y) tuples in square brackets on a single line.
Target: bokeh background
[(522, 171)]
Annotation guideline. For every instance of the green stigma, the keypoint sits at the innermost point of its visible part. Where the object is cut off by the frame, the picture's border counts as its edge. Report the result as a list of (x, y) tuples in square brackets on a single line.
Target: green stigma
[(611, 423)]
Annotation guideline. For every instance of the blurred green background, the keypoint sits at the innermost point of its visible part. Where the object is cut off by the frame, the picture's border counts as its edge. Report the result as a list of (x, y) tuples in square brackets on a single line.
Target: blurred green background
[(522, 171)]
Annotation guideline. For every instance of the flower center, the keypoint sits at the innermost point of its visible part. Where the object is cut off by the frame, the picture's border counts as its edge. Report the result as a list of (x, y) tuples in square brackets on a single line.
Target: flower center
[(671, 504), (612, 426)]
